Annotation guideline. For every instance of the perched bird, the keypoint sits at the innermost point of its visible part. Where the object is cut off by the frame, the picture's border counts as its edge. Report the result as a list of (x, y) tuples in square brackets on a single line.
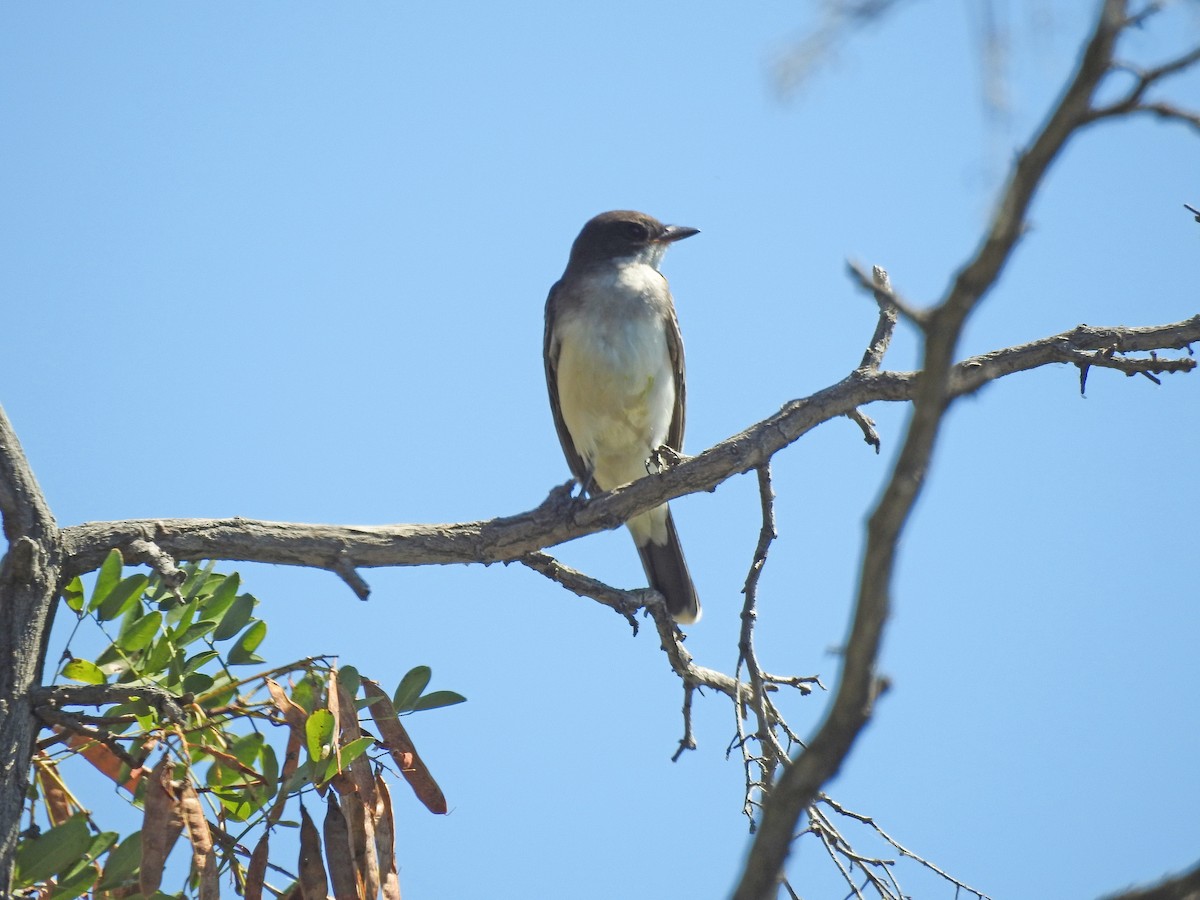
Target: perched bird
[(614, 368)]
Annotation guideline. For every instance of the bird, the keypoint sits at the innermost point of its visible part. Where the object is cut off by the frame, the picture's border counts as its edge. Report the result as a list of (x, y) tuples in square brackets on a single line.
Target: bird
[(615, 374)]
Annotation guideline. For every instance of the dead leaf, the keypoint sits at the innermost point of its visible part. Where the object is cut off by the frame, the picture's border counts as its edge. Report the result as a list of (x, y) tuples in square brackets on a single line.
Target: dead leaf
[(402, 750), (204, 860), (54, 792), (360, 769), (162, 823), (385, 841), (339, 853), (334, 706), (313, 880), (361, 824), (256, 871), (102, 757), (293, 713), (295, 716)]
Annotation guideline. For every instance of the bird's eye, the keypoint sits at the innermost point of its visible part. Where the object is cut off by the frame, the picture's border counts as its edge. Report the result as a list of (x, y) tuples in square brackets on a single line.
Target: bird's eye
[(634, 231)]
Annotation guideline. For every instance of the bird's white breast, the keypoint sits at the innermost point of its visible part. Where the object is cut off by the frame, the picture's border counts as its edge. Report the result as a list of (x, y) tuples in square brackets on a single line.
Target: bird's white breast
[(616, 384)]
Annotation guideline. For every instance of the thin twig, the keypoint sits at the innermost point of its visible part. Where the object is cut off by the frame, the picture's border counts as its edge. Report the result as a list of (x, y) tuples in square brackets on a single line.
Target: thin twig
[(151, 554), (688, 741), (344, 569), (885, 327), (867, 424), (900, 848), (881, 289), (52, 716)]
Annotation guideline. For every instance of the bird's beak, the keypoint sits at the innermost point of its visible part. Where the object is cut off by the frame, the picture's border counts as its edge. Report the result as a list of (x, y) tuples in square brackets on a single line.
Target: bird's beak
[(674, 233)]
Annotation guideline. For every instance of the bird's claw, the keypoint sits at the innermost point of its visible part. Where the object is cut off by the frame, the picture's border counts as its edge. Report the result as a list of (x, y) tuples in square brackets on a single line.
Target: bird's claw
[(663, 459)]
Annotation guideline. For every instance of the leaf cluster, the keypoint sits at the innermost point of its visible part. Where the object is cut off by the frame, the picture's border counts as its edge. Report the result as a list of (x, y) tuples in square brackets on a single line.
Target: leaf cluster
[(166, 688)]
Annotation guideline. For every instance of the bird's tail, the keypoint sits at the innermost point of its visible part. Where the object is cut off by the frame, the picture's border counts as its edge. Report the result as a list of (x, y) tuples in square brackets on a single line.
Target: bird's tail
[(665, 566)]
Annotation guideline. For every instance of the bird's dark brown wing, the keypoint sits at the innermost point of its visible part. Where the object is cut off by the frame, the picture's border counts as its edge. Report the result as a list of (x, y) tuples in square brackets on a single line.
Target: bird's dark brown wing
[(550, 357), (675, 348)]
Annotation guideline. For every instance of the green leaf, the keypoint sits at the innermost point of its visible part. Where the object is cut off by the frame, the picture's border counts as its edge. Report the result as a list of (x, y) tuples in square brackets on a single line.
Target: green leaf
[(52, 851), (197, 579), (141, 632), (101, 844), (122, 862), (195, 662), (122, 709), (220, 694), (240, 806), (235, 618), (157, 659), (214, 607), (76, 883), (197, 683), (410, 688), (83, 874), (157, 589), (350, 680), (73, 594), (195, 632), (220, 774), (350, 752), (318, 733), (178, 615), (304, 694), (300, 778), (242, 653), (270, 766), (106, 580), (83, 671), (246, 748), (112, 653), (122, 597), (173, 677), (436, 699)]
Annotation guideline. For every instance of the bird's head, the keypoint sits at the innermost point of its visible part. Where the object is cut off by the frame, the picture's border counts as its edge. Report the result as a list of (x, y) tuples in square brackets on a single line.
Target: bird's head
[(624, 234)]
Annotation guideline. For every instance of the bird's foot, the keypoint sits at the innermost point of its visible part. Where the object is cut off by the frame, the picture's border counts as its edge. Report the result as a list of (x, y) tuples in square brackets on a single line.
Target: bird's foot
[(663, 459)]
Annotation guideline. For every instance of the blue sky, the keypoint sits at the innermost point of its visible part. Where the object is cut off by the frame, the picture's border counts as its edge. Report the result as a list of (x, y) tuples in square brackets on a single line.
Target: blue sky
[(289, 262)]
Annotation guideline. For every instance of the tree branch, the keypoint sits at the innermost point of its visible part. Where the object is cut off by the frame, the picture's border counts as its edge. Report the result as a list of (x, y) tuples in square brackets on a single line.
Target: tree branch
[(510, 538), (29, 578), (57, 696), (627, 603), (800, 783), (1185, 886)]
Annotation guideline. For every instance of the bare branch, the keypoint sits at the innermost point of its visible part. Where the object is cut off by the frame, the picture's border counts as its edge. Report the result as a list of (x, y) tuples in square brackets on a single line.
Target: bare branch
[(22, 504), (56, 696), (344, 569), (1144, 79), (903, 851), (624, 602), (890, 303), (1162, 110), (770, 754), (1185, 886), (886, 326), (52, 716), (688, 741), (867, 424), (510, 538), (29, 577), (840, 20), (151, 554), (851, 708), (671, 638)]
